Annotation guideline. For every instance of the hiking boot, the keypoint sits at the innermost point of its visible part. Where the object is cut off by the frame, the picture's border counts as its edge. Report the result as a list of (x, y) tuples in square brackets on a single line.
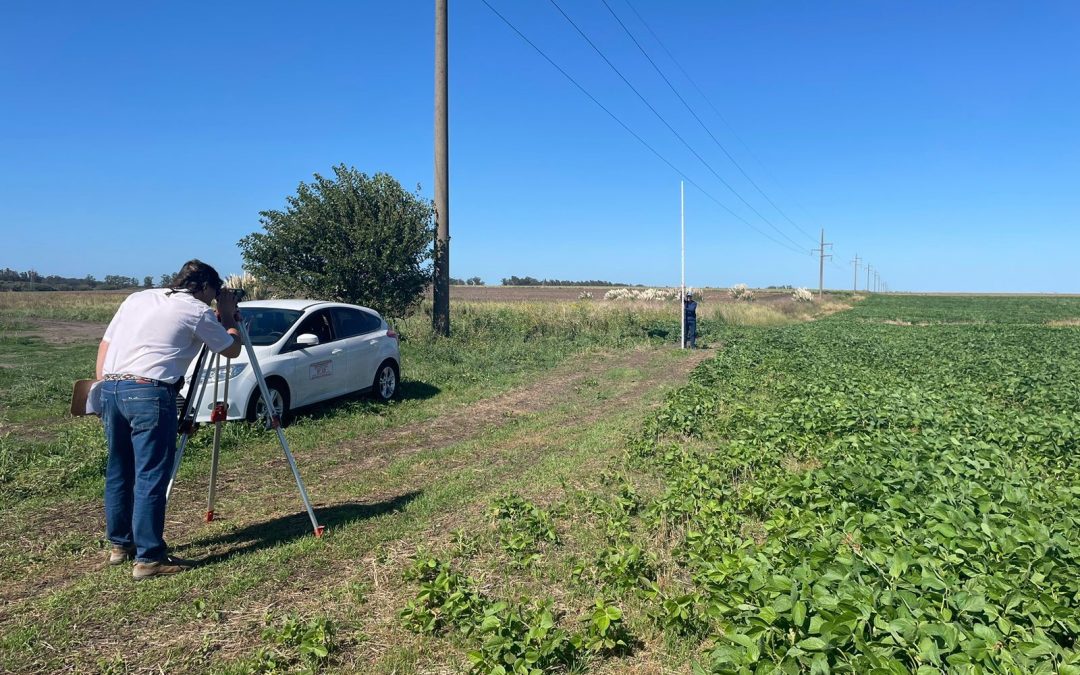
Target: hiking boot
[(121, 554), (167, 565)]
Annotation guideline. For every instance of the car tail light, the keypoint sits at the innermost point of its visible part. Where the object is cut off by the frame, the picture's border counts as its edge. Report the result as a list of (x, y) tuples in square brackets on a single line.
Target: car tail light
[(391, 333)]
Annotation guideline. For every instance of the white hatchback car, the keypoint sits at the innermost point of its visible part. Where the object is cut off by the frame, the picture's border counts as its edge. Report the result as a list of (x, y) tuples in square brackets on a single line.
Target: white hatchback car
[(309, 351)]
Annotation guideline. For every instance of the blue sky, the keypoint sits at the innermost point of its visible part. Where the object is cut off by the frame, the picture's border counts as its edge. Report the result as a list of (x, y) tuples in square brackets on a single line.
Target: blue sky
[(939, 141)]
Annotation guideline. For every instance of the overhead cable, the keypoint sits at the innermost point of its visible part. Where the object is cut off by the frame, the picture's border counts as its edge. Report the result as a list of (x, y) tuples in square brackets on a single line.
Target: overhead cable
[(718, 114), (651, 149), (668, 125), (695, 115)]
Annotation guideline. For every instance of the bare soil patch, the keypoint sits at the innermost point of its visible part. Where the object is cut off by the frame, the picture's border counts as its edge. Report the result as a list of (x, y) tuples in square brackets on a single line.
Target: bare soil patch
[(62, 332)]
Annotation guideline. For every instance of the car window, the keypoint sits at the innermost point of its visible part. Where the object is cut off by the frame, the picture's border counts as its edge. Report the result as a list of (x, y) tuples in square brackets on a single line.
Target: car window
[(267, 325), (351, 322), (318, 324)]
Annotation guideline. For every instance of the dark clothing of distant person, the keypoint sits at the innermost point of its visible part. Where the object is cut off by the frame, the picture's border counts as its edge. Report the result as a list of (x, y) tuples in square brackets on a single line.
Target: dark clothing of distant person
[(690, 314)]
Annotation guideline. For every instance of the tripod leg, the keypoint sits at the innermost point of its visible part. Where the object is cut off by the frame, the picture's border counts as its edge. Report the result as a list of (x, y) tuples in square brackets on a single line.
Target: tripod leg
[(212, 497), (275, 423), (218, 417), (191, 413), (299, 482)]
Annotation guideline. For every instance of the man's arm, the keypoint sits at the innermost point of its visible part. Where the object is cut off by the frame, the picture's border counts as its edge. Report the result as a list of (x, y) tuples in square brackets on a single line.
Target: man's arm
[(227, 312), (102, 350), (237, 346)]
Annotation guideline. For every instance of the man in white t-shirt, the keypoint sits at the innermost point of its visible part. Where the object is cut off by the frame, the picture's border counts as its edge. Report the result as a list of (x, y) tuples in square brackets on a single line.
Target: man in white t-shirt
[(147, 347)]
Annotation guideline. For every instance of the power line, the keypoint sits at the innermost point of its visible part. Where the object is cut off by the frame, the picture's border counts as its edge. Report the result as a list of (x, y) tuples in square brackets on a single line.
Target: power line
[(668, 125), (635, 135), (690, 109), (824, 246), (718, 114)]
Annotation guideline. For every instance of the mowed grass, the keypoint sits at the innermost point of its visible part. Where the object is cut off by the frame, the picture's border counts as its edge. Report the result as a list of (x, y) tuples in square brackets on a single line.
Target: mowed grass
[(493, 347)]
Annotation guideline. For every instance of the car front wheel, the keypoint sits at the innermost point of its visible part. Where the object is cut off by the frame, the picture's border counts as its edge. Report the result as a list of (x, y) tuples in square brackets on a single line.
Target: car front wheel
[(385, 386), (279, 398)]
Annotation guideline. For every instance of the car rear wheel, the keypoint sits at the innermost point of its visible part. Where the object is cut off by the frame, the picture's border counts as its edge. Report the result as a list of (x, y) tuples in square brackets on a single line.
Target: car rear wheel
[(279, 397), (385, 386)]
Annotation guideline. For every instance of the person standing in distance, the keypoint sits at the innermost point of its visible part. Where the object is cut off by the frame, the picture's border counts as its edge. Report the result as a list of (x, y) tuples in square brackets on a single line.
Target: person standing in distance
[(142, 358), (690, 312)]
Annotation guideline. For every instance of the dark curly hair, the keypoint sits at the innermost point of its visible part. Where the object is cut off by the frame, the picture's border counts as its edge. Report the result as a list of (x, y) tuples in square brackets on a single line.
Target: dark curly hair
[(195, 276)]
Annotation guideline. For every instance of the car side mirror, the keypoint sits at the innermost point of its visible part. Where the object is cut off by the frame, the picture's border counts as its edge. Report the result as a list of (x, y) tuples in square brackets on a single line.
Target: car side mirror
[(307, 340)]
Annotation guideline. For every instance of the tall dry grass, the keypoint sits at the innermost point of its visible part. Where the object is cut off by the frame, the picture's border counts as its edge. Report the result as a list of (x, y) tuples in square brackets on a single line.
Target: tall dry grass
[(98, 306), (769, 314), (613, 322), (528, 319)]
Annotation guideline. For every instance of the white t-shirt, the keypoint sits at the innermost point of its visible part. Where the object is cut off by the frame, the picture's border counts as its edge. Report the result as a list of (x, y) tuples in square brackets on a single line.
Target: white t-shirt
[(156, 336)]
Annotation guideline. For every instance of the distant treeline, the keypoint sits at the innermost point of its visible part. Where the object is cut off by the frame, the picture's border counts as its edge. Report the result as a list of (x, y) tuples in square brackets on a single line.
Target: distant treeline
[(529, 281), (10, 280)]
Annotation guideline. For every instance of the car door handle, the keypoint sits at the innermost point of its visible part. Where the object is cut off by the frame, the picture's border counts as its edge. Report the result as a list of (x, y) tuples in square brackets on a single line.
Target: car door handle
[(336, 351)]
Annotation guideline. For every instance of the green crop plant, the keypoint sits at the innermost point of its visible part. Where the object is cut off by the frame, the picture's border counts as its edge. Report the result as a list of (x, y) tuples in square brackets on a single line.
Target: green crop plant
[(879, 497), (522, 527), (295, 645), (522, 637)]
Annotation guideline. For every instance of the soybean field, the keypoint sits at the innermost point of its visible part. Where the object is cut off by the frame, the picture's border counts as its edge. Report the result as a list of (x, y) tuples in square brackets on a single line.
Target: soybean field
[(871, 497)]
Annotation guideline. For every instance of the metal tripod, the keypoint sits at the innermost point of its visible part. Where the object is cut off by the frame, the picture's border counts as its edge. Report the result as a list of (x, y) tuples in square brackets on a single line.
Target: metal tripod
[(189, 412)]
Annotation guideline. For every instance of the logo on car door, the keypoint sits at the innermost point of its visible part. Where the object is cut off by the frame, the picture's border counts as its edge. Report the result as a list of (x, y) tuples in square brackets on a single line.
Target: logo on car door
[(320, 369)]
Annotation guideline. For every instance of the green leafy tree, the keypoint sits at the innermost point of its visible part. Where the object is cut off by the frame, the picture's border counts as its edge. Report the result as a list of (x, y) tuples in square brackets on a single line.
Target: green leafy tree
[(351, 238)]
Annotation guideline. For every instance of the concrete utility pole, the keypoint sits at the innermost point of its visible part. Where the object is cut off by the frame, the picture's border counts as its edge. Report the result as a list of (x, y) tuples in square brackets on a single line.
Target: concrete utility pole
[(868, 268), (855, 283), (821, 265), (682, 281), (440, 311)]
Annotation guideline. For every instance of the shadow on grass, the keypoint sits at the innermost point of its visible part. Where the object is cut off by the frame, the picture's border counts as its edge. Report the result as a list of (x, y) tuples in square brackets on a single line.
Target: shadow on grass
[(270, 533), (411, 390)]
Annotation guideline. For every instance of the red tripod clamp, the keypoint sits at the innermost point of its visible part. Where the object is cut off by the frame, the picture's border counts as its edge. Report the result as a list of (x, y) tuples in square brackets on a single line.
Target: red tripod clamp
[(219, 413)]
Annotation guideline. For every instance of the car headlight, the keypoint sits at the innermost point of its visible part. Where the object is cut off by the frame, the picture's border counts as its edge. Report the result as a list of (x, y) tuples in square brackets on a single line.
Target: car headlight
[(233, 370)]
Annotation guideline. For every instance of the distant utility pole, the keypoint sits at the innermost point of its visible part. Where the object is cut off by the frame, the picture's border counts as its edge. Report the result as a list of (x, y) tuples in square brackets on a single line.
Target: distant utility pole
[(868, 268), (682, 282), (877, 281), (440, 311), (821, 264), (855, 283)]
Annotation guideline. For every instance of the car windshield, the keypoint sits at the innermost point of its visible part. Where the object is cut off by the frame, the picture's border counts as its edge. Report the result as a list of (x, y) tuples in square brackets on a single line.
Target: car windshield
[(267, 325)]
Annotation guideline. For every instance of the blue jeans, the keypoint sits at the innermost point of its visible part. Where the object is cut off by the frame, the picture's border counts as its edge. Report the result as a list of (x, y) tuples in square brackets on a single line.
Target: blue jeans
[(140, 428), (691, 334)]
